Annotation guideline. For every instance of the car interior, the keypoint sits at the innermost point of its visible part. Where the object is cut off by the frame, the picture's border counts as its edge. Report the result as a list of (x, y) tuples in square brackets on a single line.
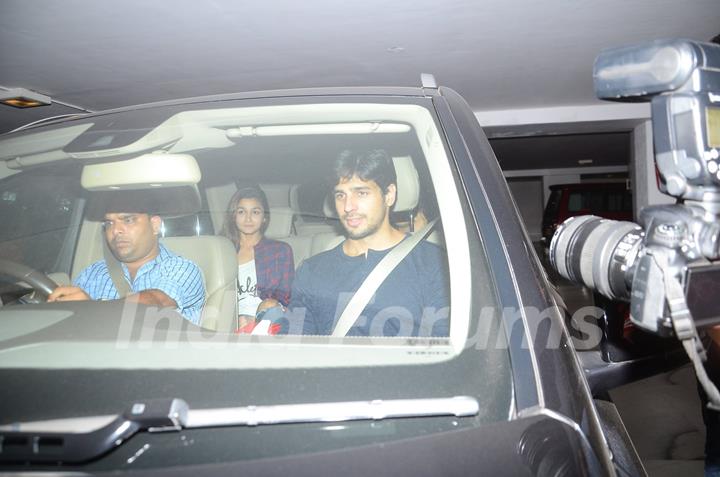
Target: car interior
[(307, 234)]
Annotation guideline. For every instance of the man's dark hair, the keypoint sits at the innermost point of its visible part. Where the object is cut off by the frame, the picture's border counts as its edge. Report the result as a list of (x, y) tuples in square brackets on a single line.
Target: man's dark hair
[(374, 165)]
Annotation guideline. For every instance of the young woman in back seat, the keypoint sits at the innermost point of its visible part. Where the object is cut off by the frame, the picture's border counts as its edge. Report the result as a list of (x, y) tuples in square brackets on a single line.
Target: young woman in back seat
[(265, 266)]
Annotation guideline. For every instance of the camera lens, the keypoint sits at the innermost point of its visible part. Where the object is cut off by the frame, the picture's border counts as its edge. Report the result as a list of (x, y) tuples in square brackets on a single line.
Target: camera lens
[(597, 252)]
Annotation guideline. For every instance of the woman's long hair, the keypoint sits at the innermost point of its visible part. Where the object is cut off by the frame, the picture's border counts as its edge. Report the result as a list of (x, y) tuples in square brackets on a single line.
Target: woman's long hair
[(252, 191)]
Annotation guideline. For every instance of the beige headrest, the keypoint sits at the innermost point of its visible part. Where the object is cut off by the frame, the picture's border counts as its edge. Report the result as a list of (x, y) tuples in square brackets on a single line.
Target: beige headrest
[(281, 221), (277, 194), (408, 188)]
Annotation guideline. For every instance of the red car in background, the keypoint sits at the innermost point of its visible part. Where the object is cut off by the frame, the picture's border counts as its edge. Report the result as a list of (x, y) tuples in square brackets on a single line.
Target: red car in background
[(612, 200)]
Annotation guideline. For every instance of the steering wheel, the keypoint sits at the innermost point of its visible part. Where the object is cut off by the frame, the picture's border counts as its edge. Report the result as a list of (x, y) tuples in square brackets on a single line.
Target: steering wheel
[(41, 283)]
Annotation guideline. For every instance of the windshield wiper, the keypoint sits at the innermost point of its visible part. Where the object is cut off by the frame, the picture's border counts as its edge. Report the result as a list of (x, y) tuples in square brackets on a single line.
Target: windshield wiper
[(27, 443)]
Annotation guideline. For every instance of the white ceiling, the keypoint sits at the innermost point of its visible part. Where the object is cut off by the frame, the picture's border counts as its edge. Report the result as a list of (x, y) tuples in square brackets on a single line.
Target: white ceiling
[(500, 54)]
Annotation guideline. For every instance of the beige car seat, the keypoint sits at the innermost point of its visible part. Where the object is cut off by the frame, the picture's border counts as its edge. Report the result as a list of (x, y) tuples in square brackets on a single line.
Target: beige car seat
[(216, 258)]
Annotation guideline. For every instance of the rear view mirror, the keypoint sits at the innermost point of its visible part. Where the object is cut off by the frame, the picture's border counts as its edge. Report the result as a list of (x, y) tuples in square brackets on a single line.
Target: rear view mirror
[(144, 172), (161, 184)]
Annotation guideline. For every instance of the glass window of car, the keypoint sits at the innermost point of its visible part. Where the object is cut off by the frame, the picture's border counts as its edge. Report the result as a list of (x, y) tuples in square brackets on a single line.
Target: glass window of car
[(290, 145), (575, 202), (36, 210)]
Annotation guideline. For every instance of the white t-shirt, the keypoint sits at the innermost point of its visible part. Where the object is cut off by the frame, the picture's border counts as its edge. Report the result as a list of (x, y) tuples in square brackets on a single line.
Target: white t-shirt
[(248, 300)]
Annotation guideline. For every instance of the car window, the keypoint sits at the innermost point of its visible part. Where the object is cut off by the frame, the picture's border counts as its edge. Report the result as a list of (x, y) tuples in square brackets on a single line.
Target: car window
[(199, 223), (614, 202), (619, 201), (36, 210), (287, 148), (594, 200), (575, 202)]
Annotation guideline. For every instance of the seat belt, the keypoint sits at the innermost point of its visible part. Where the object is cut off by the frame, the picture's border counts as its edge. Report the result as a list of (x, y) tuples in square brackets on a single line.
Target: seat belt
[(116, 272), (377, 276)]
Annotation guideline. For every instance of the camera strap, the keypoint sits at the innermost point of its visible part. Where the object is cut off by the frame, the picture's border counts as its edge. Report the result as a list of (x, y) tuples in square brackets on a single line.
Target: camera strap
[(685, 331)]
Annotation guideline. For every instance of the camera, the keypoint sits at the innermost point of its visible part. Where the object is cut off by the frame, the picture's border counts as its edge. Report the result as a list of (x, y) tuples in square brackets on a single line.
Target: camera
[(667, 266)]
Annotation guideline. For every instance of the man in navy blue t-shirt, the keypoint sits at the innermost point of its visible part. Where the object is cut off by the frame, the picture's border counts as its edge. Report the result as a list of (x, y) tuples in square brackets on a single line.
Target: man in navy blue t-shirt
[(414, 298)]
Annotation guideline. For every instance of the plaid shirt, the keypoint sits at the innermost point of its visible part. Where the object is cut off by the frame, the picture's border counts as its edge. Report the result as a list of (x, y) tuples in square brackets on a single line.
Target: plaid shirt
[(177, 277), (275, 269)]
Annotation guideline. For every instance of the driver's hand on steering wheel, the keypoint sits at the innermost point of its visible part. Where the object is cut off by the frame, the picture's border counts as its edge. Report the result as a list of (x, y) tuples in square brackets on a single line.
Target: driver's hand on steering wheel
[(68, 294)]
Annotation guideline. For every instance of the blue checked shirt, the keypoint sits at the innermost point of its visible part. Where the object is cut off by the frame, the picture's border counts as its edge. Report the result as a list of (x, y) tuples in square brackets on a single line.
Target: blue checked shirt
[(177, 277)]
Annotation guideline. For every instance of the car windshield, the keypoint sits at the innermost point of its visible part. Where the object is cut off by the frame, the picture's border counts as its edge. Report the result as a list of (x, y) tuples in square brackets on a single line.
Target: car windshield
[(186, 164)]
